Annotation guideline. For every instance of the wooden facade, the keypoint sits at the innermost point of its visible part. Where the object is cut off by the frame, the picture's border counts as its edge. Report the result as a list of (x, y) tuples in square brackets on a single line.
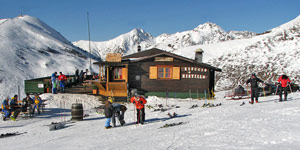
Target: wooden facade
[(156, 72)]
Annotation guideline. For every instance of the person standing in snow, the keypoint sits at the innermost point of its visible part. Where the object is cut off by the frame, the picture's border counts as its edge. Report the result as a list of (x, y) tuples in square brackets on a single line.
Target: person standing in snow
[(53, 81), (108, 111), (76, 76), (283, 81), (139, 102), (254, 87), (5, 108), (62, 79)]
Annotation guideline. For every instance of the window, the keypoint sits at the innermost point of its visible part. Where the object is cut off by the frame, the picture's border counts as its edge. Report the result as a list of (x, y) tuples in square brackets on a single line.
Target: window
[(118, 73), (164, 72)]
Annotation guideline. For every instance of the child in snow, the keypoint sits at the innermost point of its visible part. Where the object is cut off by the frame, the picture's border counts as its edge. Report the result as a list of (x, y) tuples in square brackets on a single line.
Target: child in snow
[(108, 110), (37, 104), (284, 81)]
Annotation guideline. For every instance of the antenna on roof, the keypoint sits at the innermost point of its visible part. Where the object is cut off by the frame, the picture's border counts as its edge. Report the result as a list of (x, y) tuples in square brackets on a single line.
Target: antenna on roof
[(88, 21)]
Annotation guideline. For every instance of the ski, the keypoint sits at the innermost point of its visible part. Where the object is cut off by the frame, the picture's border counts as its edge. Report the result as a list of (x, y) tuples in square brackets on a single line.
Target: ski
[(11, 134), (243, 104)]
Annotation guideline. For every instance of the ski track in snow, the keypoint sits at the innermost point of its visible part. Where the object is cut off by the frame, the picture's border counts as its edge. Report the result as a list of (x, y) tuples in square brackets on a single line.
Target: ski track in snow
[(266, 125)]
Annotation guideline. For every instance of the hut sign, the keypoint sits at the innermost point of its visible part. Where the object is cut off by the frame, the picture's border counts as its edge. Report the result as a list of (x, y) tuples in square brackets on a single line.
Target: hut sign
[(193, 76), (196, 73), (189, 69)]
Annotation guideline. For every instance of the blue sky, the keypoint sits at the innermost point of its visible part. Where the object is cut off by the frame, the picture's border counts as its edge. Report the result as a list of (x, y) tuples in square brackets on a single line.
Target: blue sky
[(110, 18)]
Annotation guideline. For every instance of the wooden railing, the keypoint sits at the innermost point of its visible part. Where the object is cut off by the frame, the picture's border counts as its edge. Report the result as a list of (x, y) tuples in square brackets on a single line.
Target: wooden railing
[(115, 89)]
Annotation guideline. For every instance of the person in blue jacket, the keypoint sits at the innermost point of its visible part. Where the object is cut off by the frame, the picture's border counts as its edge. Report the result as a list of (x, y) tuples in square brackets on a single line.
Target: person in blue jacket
[(14, 103), (5, 108), (53, 80)]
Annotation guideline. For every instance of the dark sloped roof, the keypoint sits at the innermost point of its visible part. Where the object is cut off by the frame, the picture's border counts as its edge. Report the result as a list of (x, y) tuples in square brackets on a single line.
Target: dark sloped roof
[(154, 52), (149, 52)]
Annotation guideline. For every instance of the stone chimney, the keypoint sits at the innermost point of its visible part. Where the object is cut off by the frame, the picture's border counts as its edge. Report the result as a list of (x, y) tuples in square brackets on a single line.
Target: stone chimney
[(198, 55), (139, 48)]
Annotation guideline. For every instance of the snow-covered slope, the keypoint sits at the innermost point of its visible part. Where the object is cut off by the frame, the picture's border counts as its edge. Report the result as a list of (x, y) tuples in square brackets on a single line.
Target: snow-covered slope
[(30, 48), (269, 54), (263, 126), (127, 43)]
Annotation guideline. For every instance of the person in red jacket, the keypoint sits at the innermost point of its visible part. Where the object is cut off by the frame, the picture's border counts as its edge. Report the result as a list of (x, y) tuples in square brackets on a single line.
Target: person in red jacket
[(284, 82), (139, 102), (62, 81)]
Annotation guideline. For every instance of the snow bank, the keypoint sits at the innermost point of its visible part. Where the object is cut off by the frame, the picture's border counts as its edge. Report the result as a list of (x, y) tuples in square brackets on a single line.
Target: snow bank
[(266, 125)]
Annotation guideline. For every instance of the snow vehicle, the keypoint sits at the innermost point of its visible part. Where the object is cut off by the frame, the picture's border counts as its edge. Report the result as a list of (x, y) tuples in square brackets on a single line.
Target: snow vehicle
[(294, 87), (237, 93), (268, 89)]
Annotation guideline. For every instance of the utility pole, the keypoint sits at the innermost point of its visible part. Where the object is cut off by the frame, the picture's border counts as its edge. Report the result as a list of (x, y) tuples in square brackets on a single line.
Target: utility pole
[(89, 42)]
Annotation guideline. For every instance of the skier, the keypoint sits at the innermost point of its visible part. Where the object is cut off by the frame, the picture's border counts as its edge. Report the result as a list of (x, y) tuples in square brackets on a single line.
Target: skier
[(139, 102), (5, 108), (118, 111), (62, 81), (284, 81), (53, 80), (254, 87), (108, 111), (37, 104)]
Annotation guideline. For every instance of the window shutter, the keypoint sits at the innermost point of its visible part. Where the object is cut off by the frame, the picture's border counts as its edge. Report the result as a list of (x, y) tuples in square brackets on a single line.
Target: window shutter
[(124, 74), (153, 72), (176, 73)]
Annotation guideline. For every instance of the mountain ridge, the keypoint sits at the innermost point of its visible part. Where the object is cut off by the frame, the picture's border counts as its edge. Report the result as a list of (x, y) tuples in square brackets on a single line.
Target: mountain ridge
[(30, 49)]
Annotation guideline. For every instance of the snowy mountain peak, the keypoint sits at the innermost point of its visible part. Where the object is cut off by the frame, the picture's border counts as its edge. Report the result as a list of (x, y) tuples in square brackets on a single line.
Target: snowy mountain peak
[(208, 26), (291, 25)]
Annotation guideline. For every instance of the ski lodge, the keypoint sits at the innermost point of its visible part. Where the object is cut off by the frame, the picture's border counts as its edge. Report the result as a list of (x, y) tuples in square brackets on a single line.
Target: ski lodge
[(155, 72)]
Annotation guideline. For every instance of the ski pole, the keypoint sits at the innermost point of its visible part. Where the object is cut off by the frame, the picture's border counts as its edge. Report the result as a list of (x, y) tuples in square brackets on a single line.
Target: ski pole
[(290, 88), (134, 113), (264, 91), (276, 89)]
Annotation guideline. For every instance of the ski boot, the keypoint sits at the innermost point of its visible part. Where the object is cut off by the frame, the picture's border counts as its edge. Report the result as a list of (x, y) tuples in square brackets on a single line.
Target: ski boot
[(251, 102), (12, 118), (108, 127), (122, 122), (256, 101)]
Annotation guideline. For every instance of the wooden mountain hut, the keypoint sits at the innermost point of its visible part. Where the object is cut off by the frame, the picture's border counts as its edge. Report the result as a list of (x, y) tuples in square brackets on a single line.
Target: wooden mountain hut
[(155, 72)]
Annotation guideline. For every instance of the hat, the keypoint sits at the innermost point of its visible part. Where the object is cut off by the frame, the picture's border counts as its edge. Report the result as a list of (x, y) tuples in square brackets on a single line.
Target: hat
[(253, 74), (110, 99)]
